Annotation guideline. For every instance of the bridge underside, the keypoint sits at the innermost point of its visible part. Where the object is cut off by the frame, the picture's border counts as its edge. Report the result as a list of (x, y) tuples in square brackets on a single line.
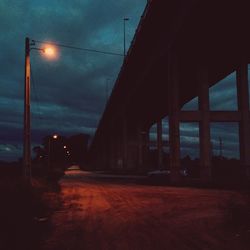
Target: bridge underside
[(180, 49)]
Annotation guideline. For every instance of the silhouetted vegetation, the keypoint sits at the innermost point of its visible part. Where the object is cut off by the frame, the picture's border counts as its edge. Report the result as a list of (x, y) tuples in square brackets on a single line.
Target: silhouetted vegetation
[(60, 152), (224, 171), (10, 169), (21, 208)]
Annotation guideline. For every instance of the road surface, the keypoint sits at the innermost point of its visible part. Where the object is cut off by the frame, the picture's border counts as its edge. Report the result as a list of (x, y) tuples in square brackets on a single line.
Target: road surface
[(101, 214)]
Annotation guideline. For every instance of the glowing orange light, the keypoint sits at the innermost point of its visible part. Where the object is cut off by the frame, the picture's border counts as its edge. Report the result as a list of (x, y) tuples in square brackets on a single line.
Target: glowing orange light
[(50, 52)]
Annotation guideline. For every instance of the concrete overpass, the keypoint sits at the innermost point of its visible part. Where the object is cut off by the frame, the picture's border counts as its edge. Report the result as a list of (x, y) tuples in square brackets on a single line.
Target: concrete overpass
[(180, 49)]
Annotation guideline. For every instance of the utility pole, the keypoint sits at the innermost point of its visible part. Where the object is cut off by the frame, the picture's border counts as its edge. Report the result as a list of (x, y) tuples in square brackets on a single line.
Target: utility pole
[(221, 145), (50, 53), (159, 143), (53, 137), (26, 116), (212, 150), (49, 150), (26, 136), (124, 36)]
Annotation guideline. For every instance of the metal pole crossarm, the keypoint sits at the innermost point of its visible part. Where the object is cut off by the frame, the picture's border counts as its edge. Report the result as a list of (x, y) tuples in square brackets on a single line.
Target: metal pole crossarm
[(78, 48), (43, 50)]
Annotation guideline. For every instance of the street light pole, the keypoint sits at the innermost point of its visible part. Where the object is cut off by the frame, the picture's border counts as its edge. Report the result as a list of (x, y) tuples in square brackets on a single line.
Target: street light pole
[(26, 139), (49, 149), (124, 36), (50, 52), (54, 137)]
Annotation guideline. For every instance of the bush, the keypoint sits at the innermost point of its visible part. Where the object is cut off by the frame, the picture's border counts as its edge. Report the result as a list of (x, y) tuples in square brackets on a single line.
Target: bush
[(20, 204)]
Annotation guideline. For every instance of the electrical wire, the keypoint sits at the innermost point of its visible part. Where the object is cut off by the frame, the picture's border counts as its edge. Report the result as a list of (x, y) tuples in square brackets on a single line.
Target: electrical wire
[(78, 48), (35, 94), (64, 46), (36, 97)]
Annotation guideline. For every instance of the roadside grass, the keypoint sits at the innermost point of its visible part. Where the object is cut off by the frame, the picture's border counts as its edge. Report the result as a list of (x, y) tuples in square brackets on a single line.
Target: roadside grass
[(237, 220), (23, 213), (238, 214)]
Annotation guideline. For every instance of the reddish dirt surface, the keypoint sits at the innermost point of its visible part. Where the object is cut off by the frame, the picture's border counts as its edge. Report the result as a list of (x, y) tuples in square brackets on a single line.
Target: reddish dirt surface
[(97, 214)]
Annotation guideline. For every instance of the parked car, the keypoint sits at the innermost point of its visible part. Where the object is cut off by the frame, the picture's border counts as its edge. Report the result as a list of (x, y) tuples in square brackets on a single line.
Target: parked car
[(158, 173), (165, 173)]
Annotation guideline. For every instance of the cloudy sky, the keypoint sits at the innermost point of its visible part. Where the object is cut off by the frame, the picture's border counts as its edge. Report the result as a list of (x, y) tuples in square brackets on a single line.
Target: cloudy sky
[(69, 95), (223, 97)]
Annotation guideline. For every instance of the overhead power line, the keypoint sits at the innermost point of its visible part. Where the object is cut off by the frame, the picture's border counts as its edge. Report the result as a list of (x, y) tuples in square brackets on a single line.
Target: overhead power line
[(36, 94), (78, 48)]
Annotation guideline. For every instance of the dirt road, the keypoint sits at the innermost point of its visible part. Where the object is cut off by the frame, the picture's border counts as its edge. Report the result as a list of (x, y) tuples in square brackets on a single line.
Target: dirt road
[(97, 214)]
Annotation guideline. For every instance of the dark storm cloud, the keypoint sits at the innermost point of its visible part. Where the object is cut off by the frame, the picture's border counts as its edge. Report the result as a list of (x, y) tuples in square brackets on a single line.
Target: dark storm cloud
[(68, 95), (189, 138), (191, 105), (223, 95), (77, 86)]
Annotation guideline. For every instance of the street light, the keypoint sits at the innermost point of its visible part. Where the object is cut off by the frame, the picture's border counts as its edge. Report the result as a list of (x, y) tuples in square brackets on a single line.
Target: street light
[(48, 51), (124, 36), (54, 137)]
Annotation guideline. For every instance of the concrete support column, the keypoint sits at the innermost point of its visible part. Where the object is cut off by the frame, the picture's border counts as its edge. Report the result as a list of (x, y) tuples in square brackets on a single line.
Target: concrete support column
[(174, 118), (104, 153), (159, 144), (108, 150), (113, 145), (111, 160), (204, 125), (244, 126), (108, 155), (125, 143), (140, 147), (144, 134)]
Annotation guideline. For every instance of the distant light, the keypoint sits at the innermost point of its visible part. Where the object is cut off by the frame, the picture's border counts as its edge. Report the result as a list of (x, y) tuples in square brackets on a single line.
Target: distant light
[(64, 146), (55, 136)]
